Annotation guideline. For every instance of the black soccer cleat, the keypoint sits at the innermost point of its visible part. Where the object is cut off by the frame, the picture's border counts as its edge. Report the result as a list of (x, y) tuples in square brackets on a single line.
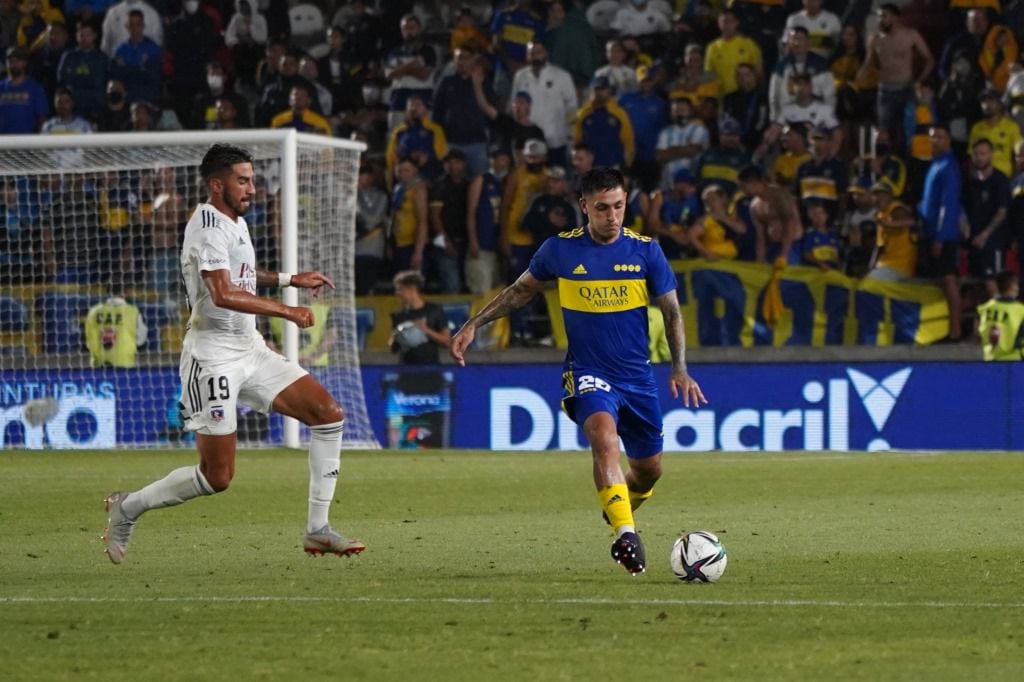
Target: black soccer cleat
[(629, 551)]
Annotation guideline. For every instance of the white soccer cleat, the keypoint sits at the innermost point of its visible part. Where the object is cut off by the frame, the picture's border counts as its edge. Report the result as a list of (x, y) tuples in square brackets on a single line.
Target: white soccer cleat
[(329, 541), (119, 528)]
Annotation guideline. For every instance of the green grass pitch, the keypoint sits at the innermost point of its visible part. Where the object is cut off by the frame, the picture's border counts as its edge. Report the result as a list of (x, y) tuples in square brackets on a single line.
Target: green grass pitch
[(495, 566)]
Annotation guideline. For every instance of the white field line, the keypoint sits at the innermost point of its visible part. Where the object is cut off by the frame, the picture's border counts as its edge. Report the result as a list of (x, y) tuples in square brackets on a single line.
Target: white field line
[(583, 601)]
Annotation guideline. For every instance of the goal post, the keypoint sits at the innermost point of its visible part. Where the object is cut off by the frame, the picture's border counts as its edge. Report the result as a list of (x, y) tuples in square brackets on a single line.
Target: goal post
[(92, 217)]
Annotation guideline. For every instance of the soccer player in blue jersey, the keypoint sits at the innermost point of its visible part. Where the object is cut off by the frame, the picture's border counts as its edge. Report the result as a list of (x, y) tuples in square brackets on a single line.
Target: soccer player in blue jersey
[(606, 276)]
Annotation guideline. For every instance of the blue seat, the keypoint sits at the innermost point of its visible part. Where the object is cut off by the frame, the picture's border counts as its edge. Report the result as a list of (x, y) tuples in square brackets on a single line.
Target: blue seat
[(62, 315), (366, 320), (457, 314), (14, 316), (156, 316)]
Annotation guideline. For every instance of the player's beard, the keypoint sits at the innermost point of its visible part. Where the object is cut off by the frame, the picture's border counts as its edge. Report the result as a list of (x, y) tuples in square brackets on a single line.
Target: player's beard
[(240, 206)]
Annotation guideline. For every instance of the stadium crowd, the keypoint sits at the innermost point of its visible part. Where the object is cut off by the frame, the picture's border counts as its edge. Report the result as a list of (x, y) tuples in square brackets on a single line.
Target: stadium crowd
[(880, 140)]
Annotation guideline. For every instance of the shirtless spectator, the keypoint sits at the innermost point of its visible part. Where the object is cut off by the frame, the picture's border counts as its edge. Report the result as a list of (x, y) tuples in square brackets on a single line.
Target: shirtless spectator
[(775, 215), (892, 52)]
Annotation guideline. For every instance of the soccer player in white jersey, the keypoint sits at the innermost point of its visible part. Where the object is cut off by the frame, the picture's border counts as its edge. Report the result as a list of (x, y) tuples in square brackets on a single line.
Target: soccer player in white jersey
[(225, 361)]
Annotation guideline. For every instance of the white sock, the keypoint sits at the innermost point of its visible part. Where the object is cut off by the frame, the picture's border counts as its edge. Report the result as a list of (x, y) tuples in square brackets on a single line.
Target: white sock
[(624, 529), (324, 468), (176, 487)]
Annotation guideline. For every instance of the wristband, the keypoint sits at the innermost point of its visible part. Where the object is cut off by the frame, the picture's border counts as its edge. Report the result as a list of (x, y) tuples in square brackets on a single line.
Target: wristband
[(284, 279)]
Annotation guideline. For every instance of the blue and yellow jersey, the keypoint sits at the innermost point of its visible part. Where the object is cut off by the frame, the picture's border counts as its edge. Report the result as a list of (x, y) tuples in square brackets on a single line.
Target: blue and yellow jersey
[(404, 216), (426, 136), (721, 166), (608, 131), (488, 212), (824, 247), (307, 122), (898, 244), (604, 290), (716, 239), (825, 181), (528, 185)]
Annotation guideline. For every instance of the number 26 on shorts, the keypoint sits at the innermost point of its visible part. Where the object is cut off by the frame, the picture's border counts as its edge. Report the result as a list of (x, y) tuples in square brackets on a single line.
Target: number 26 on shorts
[(588, 383)]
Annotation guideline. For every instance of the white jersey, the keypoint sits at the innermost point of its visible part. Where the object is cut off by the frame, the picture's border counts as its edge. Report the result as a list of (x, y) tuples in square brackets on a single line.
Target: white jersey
[(215, 242)]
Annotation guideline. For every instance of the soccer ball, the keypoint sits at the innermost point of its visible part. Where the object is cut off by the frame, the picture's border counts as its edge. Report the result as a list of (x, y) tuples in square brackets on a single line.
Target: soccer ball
[(698, 556)]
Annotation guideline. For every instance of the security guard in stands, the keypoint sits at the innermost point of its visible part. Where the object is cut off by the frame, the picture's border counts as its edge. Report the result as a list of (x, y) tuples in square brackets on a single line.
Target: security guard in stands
[(114, 331), (1001, 321)]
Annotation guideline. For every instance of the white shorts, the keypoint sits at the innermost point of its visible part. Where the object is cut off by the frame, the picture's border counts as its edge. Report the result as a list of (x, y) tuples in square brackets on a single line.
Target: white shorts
[(211, 391)]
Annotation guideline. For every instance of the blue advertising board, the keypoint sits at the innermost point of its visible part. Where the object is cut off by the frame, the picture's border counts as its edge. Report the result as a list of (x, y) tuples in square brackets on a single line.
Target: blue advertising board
[(791, 406)]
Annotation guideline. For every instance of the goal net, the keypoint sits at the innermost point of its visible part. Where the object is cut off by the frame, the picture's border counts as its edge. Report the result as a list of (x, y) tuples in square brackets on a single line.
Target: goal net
[(92, 309)]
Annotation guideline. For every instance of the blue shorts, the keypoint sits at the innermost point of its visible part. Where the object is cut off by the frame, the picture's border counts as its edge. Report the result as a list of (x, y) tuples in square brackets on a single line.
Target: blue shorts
[(635, 408)]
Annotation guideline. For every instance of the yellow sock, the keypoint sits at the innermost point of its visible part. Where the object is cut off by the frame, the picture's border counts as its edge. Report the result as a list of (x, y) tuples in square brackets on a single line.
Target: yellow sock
[(636, 499), (615, 501)]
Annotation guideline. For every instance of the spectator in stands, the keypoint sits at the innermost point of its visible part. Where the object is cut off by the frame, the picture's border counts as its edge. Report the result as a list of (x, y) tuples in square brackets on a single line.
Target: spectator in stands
[(748, 106), (342, 75), (853, 95), (512, 30), (601, 13), (323, 99), (571, 42), (467, 33), (730, 50), (21, 238), (483, 218), (800, 60), (1001, 321), (859, 231), (940, 212), (10, 18), (511, 131), (721, 164), (217, 88), (275, 95), (550, 212), (1000, 130), (805, 110), (648, 114), (72, 241), (880, 162), (986, 206), (901, 57), (820, 246), (36, 16), (712, 234), (1014, 96), (418, 133), (764, 21), (621, 76), (823, 177), (457, 109), (23, 102), (410, 69), (65, 121), (365, 31), (775, 216), (694, 82), (641, 18), (673, 213), (49, 50), (192, 43), (794, 154), (553, 99), (895, 254), (523, 183), (115, 116), (137, 62), (269, 66), (681, 142), (116, 30), (84, 71), (998, 49), (920, 115), (245, 36), (226, 116), (300, 115), (603, 126), (409, 217), (168, 217), (371, 230), (822, 27), (114, 332), (420, 329), (448, 202)]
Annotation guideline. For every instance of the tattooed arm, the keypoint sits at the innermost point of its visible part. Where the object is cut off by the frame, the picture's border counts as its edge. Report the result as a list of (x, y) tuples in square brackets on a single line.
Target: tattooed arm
[(512, 297), (680, 381)]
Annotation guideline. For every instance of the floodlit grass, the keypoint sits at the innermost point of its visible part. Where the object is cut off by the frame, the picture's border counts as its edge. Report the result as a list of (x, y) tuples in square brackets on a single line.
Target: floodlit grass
[(495, 566)]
